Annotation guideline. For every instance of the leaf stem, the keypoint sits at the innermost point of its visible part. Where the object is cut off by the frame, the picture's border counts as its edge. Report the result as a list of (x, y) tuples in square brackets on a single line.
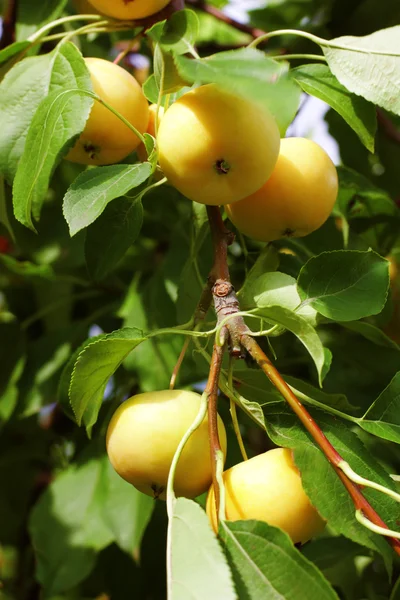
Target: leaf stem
[(82, 31), (264, 37), (70, 18), (318, 40), (232, 408), (179, 362), (116, 113), (362, 481), (171, 498), (375, 528), (299, 56), (195, 425)]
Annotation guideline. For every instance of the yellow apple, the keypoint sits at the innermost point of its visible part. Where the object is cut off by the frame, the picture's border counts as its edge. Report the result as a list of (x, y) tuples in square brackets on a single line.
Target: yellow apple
[(106, 139), (268, 488), (129, 9), (296, 200), (144, 433), (215, 147)]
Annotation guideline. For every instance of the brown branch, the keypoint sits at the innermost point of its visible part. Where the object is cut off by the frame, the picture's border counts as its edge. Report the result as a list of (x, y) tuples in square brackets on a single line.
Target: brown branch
[(221, 239), (218, 14), (212, 391), (9, 19), (235, 329), (276, 379), (319, 437)]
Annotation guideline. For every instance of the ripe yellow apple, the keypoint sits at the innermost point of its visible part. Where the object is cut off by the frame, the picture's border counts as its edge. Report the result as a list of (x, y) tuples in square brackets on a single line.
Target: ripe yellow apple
[(268, 488), (106, 139), (296, 200), (129, 9), (151, 128), (215, 147), (144, 433)]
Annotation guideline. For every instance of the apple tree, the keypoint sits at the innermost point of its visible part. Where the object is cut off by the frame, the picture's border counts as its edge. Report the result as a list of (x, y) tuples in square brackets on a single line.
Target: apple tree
[(200, 299)]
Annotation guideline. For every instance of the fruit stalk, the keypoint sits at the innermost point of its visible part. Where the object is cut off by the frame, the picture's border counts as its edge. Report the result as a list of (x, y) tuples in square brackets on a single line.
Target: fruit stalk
[(236, 331)]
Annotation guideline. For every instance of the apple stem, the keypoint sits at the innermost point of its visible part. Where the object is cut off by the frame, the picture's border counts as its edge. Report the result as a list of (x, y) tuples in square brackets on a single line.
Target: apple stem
[(237, 335)]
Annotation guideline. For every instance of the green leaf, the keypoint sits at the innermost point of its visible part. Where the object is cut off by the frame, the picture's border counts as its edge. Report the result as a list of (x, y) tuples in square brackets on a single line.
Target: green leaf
[(297, 324), (260, 555), (22, 90), (71, 509), (59, 119), (166, 75), (369, 209), (248, 72), (25, 268), (92, 190), (32, 15), (127, 511), (318, 81), (111, 235), (178, 33), (191, 283), (256, 387), (327, 552), (12, 50), (65, 379), (345, 285), (94, 367), (267, 261), (198, 566), (395, 595), (320, 481), (214, 31), (4, 216), (12, 362), (372, 333), (383, 417), (369, 65), (276, 289)]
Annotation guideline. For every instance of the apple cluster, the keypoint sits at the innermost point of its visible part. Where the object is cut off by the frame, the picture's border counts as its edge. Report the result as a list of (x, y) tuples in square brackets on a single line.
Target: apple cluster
[(216, 148), (142, 438)]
